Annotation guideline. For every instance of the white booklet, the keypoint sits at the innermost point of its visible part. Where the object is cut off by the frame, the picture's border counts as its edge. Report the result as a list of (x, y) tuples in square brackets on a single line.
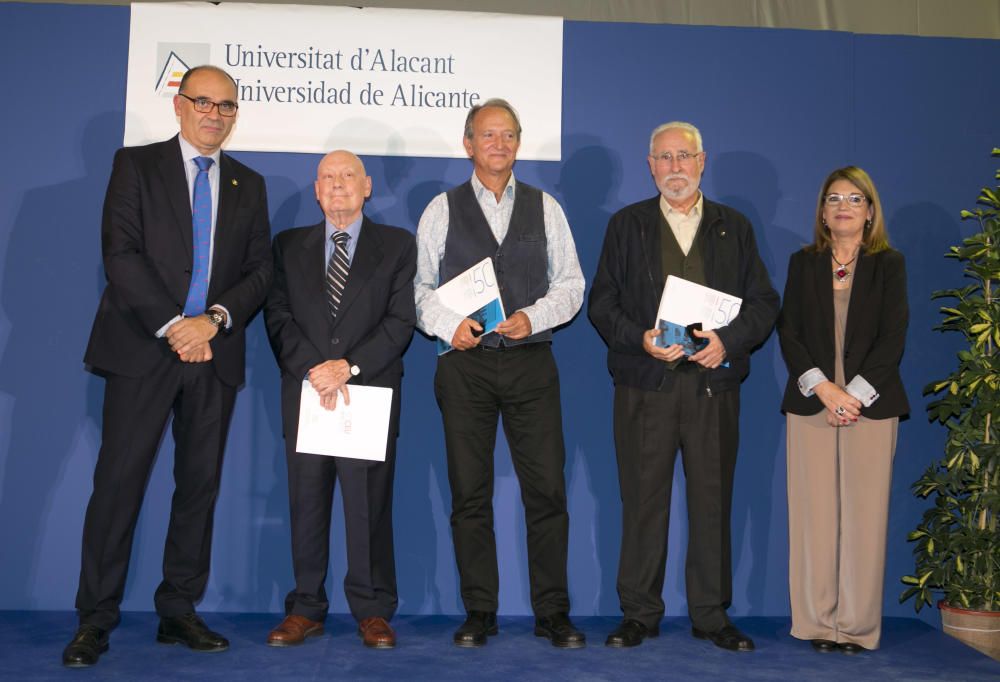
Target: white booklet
[(359, 430), (685, 303), (473, 294)]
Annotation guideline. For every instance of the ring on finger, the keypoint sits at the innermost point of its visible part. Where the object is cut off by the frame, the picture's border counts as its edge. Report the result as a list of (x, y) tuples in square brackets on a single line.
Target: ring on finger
[(840, 410)]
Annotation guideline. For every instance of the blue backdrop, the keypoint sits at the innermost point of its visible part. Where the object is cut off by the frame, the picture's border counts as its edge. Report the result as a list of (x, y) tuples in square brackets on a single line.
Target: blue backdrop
[(779, 109)]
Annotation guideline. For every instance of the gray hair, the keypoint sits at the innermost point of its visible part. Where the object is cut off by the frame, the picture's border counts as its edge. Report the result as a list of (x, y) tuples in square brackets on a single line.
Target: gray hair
[(497, 102), (677, 125)]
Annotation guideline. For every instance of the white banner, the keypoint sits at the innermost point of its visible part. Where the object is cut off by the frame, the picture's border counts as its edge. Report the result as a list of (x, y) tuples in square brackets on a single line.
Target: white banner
[(385, 82)]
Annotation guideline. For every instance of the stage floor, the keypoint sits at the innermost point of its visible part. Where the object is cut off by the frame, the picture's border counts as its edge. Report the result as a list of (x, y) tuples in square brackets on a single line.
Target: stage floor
[(31, 644)]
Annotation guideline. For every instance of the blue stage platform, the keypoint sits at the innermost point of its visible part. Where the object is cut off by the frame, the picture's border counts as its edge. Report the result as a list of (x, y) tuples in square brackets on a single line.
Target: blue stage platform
[(31, 644)]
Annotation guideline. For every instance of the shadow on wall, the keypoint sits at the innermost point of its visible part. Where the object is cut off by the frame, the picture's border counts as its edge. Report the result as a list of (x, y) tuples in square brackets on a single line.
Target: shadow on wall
[(44, 255), (422, 499), (750, 183), (923, 232), (587, 184), (266, 493)]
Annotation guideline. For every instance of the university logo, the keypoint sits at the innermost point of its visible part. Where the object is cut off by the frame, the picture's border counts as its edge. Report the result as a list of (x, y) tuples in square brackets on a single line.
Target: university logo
[(173, 60)]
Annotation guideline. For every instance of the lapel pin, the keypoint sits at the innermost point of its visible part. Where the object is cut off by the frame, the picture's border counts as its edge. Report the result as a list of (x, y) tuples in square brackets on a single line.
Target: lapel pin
[(235, 182)]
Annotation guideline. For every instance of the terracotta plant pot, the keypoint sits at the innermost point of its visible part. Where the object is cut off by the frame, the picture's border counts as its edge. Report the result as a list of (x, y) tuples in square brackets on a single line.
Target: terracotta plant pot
[(978, 629)]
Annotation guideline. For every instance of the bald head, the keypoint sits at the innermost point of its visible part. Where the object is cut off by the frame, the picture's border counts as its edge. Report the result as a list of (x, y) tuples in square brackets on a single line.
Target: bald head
[(340, 156), (342, 187)]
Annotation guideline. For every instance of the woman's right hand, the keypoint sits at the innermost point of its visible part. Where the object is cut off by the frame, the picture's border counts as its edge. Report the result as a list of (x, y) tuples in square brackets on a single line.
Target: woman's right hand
[(839, 403)]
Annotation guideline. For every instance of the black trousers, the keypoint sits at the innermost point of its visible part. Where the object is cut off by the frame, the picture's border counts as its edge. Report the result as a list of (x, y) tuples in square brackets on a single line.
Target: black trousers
[(650, 427), (135, 413), (366, 489), (521, 385)]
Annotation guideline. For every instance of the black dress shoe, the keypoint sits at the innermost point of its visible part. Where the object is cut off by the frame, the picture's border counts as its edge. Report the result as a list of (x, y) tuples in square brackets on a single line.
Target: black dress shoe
[(191, 630), (560, 631), (850, 648), (477, 625), (728, 637), (87, 645), (630, 633), (824, 646)]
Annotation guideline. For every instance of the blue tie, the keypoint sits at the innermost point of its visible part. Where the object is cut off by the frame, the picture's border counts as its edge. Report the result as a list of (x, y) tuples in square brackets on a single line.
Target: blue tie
[(201, 219)]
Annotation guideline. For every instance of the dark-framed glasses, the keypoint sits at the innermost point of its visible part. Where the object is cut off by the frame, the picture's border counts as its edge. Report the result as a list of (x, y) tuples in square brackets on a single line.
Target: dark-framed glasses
[(204, 105), (682, 157), (835, 199)]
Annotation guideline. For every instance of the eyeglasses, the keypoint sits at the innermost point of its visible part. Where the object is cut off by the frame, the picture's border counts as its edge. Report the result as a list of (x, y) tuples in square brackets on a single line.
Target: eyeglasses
[(204, 105), (838, 199), (682, 157)]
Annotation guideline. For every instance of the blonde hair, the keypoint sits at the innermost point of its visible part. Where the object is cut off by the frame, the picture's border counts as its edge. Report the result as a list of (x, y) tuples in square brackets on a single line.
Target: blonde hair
[(876, 236)]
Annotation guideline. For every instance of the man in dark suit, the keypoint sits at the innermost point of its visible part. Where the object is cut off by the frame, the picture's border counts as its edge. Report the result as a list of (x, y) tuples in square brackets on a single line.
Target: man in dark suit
[(341, 312), (185, 242), (665, 402)]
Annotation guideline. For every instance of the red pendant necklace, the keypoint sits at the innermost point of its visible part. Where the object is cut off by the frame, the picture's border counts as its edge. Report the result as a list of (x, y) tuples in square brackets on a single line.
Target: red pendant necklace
[(842, 273)]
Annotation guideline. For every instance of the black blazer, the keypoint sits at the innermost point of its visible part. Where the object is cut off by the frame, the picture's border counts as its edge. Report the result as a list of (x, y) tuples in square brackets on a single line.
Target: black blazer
[(375, 320), (626, 292), (874, 336), (146, 235)]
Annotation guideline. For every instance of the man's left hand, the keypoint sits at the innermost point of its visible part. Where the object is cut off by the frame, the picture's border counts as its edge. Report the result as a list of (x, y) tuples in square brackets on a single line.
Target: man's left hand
[(517, 326), (186, 335), (202, 353), (329, 376), (712, 355)]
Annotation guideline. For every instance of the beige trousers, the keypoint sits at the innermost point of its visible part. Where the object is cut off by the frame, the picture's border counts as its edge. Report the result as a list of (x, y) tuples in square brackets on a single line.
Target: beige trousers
[(838, 509)]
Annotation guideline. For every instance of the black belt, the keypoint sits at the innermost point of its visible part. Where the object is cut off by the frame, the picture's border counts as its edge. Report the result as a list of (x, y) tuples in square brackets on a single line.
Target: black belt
[(503, 348)]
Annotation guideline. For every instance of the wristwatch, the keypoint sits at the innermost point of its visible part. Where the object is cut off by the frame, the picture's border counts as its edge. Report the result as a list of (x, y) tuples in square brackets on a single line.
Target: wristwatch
[(355, 370), (216, 317)]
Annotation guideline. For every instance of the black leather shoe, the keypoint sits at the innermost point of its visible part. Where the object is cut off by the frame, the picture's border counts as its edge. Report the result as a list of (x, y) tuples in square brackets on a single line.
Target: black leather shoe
[(630, 633), (728, 637), (824, 646), (477, 625), (87, 645), (850, 648), (191, 630), (560, 631)]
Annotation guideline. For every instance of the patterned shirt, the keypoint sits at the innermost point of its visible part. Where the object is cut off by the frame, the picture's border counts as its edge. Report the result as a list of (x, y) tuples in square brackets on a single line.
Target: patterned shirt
[(566, 284)]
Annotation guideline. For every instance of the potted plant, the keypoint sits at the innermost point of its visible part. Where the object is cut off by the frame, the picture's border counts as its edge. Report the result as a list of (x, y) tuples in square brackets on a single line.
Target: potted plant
[(957, 550)]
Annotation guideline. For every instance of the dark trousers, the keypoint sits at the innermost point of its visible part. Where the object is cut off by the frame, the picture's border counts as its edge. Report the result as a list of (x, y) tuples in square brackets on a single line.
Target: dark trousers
[(650, 427), (135, 413), (366, 489), (521, 384)]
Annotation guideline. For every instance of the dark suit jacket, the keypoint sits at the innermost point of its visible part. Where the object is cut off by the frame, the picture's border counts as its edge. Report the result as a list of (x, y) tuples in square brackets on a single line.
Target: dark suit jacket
[(877, 317), (627, 288), (374, 323), (146, 236)]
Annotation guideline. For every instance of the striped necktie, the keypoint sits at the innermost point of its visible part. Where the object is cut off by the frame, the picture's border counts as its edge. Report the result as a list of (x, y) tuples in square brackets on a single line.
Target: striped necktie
[(201, 221), (336, 271)]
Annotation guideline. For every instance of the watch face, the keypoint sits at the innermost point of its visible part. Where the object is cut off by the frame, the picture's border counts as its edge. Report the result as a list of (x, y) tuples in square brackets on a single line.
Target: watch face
[(355, 370)]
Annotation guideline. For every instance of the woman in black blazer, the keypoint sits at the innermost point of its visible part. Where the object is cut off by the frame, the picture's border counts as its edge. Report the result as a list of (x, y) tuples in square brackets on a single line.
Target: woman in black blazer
[(842, 328)]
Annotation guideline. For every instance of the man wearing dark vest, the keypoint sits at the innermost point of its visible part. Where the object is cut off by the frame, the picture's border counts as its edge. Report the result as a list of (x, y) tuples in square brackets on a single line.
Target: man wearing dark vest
[(509, 372), (664, 402)]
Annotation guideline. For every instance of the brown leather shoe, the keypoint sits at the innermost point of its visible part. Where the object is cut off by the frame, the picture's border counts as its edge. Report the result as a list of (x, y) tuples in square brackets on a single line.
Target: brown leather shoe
[(293, 631), (377, 633)]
